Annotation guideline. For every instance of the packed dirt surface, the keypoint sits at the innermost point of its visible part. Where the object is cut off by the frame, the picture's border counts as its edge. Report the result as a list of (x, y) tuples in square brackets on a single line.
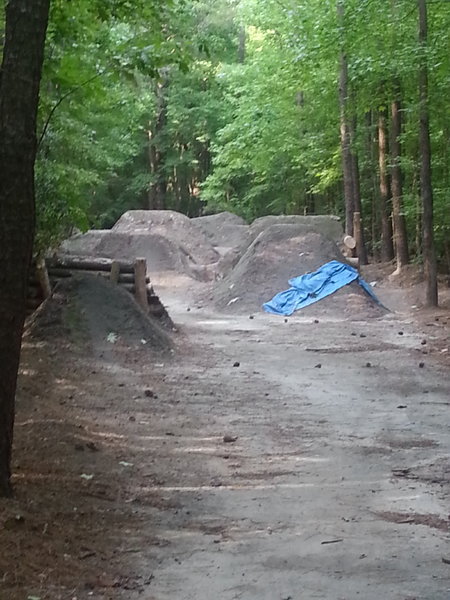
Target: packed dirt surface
[(279, 253), (90, 307), (329, 226), (172, 225), (224, 230), (168, 240), (261, 460), (84, 244), (204, 248)]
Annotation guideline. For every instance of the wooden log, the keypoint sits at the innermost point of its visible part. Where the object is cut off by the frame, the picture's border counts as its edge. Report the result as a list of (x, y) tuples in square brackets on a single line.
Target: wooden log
[(357, 234), (115, 272), (350, 242), (63, 273), (130, 287), (140, 274), (353, 261), (129, 278), (87, 263), (126, 278), (43, 278), (59, 273)]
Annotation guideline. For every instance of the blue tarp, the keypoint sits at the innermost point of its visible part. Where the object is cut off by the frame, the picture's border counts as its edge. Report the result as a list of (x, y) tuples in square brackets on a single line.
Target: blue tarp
[(312, 287)]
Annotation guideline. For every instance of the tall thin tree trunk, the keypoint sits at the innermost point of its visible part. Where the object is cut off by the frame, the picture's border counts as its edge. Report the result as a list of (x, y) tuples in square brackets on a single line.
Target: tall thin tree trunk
[(347, 164), (157, 152), (23, 52), (387, 247), (359, 232), (429, 256), (242, 45), (400, 233), (153, 170), (371, 149)]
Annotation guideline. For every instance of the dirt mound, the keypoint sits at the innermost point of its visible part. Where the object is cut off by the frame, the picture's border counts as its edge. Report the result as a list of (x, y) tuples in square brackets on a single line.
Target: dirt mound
[(328, 225), (84, 244), (219, 219), (161, 254), (278, 254), (90, 310), (224, 230), (174, 227), (168, 240)]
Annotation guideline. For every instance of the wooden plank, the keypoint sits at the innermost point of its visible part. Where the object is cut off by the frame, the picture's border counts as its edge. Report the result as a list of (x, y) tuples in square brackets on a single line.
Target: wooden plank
[(87, 263), (43, 278), (140, 274), (115, 272)]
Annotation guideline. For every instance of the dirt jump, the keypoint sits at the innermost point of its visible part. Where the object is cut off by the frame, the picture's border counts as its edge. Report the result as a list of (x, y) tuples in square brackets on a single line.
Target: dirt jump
[(279, 253), (166, 239), (238, 458), (103, 313), (328, 226), (224, 231)]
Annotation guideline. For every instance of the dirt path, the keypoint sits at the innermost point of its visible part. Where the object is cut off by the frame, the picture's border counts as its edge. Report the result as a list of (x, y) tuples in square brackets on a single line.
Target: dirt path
[(335, 487)]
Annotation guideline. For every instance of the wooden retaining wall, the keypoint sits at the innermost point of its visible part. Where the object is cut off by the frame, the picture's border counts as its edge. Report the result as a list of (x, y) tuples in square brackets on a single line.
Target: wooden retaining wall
[(130, 275)]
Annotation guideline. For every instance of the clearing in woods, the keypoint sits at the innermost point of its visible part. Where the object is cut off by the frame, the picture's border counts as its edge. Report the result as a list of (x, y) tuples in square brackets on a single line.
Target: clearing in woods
[(250, 457)]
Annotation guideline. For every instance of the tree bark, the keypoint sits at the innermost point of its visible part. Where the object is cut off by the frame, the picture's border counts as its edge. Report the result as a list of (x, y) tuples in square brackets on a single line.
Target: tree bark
[(387, 247), (23, 53), (347, 164), (429, 256), (157, 153), (359, 233), (370, 175), (400, 232), (242, 42)]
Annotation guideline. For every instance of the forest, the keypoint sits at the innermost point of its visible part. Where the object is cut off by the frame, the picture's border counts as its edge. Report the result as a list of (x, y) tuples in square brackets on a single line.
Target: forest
[(253, 106), (257, 107)]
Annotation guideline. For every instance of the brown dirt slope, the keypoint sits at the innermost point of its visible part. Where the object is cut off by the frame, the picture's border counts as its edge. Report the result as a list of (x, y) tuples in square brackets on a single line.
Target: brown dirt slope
[(279, 253), (91, 308), (328, 225), (84, 244), (224, 230), (173, 226)]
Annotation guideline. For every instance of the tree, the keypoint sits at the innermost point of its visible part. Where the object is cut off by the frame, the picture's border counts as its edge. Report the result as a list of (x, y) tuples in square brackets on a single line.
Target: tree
[(387, 247), (23, 53), (348, 169), (429, 257), (246, 115), (398, 217), (400, 232)]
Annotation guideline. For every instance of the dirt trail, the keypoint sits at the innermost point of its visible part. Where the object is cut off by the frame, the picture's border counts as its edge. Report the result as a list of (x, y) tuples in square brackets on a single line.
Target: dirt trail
[(128, 489)]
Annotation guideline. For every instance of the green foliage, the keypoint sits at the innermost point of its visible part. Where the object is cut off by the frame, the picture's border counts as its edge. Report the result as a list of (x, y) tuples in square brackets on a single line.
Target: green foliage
[(154, 98), (95, 99)]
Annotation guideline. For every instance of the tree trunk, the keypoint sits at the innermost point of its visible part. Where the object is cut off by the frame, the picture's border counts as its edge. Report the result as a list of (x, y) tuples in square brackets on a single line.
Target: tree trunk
[(387, 248), (242, 45), (157, 152), (429, 256), (400, 233), (361, 251), (23, 52), (371, 154), (347, 165)]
